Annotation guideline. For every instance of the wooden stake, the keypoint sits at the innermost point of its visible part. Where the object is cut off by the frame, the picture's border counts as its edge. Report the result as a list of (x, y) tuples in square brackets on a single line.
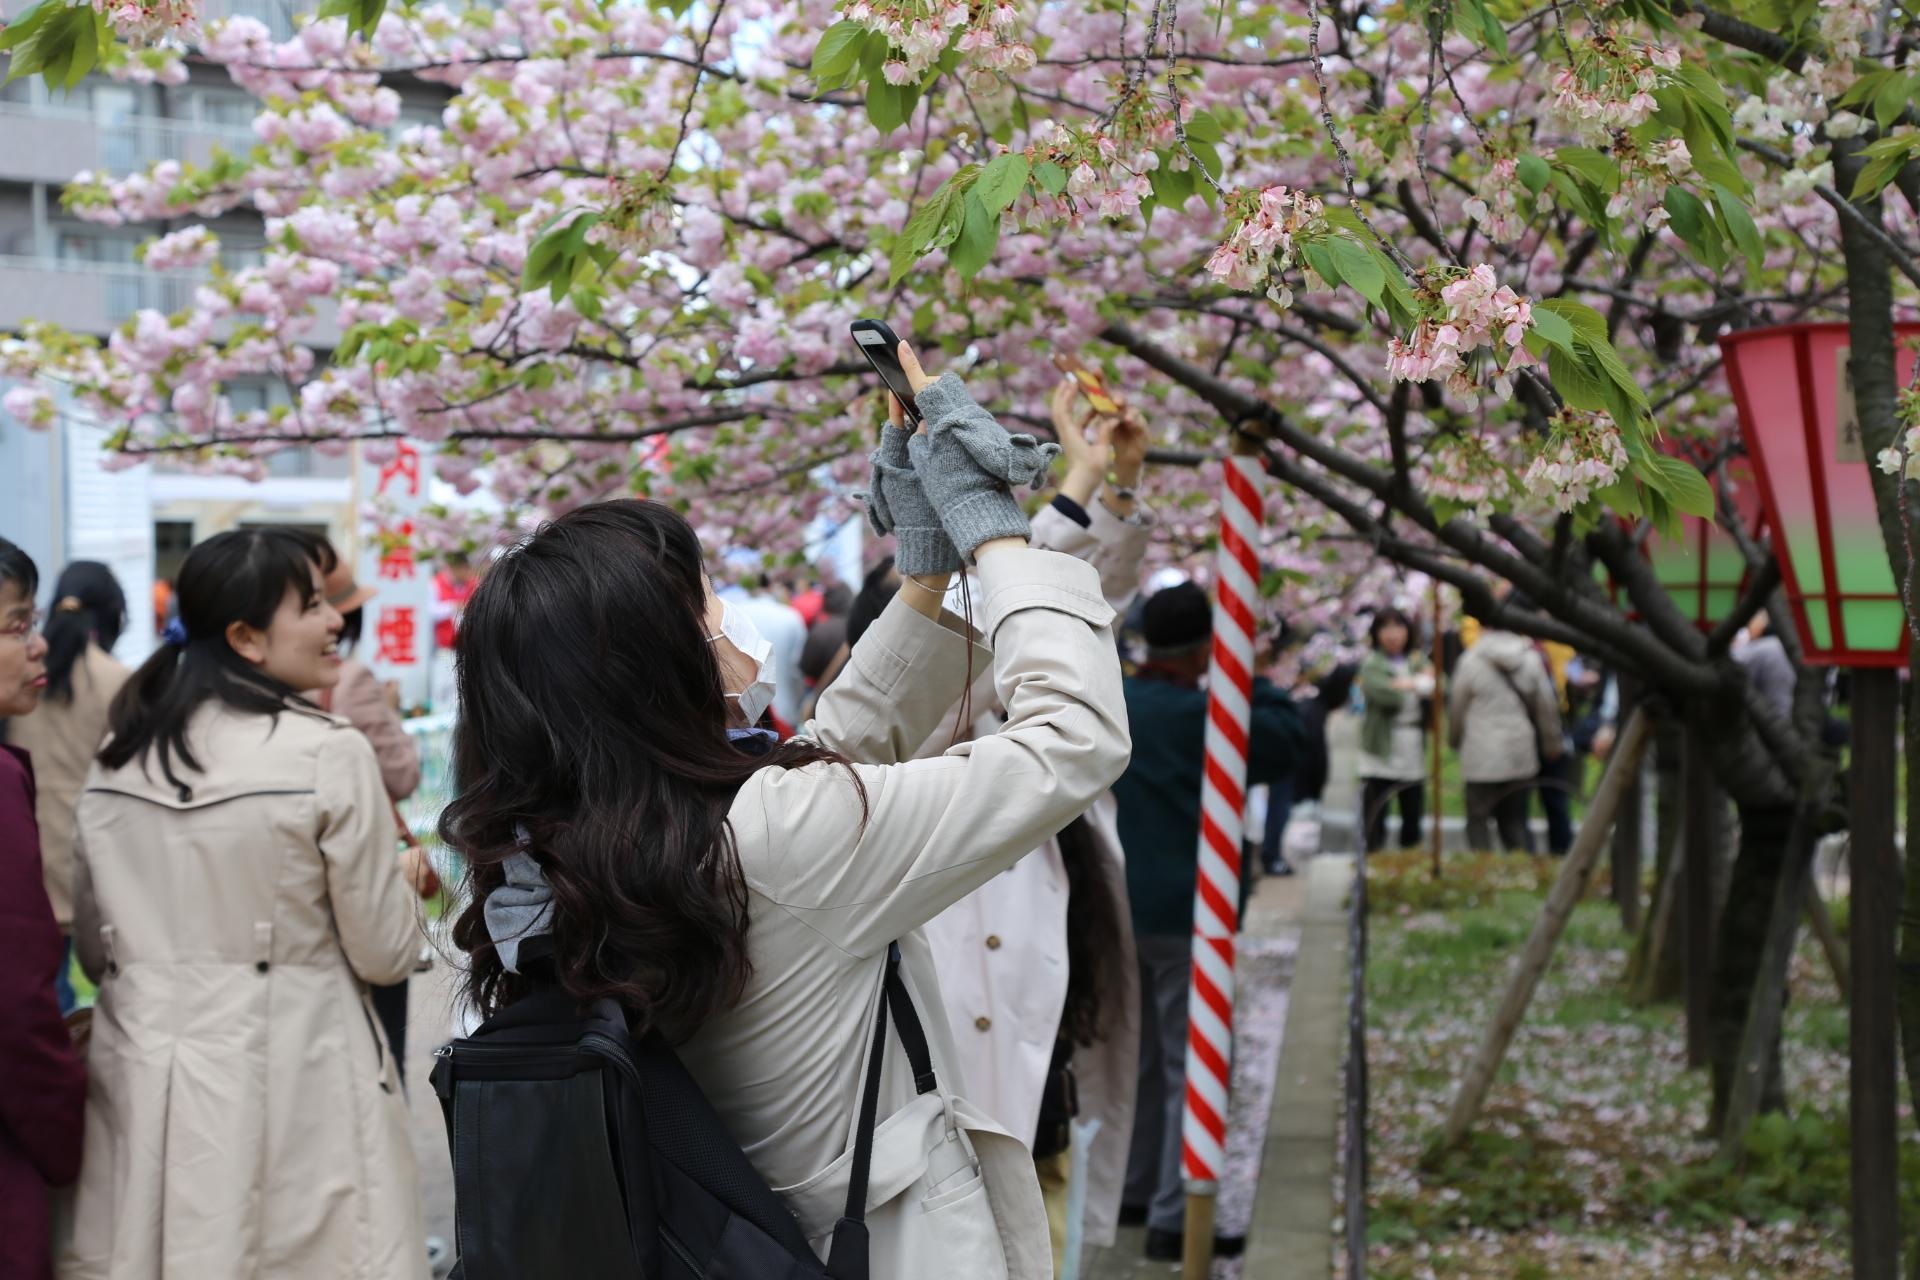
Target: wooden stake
[(1575, 873), (1696, 895), (1196, 1251), (1872, 1088), (1437, 801)]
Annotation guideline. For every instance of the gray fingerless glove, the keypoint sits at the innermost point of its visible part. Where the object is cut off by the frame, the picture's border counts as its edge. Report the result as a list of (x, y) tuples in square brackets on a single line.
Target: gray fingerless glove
[(897, 504), (968, 465)]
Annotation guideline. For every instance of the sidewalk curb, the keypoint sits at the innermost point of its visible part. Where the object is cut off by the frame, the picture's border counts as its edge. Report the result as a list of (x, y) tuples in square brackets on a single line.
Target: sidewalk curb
[(1291, 1236)]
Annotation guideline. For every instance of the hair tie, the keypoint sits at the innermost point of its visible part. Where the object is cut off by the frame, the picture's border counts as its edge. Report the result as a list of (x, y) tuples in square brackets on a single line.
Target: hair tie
[(175, 634), (69, 604)]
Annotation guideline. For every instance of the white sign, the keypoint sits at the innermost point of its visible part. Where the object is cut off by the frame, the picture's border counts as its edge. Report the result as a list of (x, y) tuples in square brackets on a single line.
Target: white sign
[(396, 639)]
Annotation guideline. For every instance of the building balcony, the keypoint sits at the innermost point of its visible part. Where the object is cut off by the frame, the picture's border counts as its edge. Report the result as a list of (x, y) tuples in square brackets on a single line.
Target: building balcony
[(46, 143), (96, 297)]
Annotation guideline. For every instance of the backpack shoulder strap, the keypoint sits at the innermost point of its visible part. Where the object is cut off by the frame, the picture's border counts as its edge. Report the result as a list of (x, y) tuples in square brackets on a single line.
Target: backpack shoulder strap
[(848, 1258)]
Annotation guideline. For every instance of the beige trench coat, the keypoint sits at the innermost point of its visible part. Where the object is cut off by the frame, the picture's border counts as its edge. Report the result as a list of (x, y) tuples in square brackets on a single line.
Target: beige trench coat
[(1002, 950), (832, 880), (244, 1120), (63, 737)]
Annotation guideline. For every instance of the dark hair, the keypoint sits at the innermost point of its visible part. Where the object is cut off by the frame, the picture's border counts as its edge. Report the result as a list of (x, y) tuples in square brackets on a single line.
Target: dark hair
[(1178, 617), (593, 719), (17, 567), (836, 600), (87, 604), (875, 593), (1385, 618), (1093, 933), (242, 575), (352, 623)]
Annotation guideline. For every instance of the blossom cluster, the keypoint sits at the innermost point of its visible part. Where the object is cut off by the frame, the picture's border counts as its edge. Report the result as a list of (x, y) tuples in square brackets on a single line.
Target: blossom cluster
[(1497, 207), (1646, 171), (145, 22), (1466, 471), (1268, 227), (1584, 453), (1609, 81), (918, 32), (1476, 311), (184, 249)]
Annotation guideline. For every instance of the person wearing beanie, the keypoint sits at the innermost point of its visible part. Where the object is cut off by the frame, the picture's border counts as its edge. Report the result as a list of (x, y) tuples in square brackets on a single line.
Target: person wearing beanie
[(1159, 824)]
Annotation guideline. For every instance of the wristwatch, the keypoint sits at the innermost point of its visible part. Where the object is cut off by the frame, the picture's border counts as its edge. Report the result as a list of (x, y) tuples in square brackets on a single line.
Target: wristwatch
[(1118, 490)]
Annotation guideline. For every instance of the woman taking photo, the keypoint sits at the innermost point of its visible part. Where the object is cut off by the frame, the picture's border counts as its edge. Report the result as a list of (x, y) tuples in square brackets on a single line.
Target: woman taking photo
[(740, 895), (235, 891), (1394, 680), (89, 611)]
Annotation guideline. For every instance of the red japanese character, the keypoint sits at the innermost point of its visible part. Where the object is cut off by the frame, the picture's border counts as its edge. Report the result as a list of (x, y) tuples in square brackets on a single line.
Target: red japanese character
[(396, 556), (395, 634), (405, 466)]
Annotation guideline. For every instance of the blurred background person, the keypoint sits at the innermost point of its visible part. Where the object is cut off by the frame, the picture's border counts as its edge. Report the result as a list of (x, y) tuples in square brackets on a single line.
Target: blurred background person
[(1503, 717), (43, 1085), (235, 890), (362, 700), (1395, 682), (89, 611)]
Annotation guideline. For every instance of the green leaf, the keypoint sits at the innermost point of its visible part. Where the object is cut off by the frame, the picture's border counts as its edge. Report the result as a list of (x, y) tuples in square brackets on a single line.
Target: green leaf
[(1891, 101), (1051, 177), (1171, 187), (1535, 173), (1594, 166), (1739, 225), (1686, 214), (59, 42), (1709, 98), (1877, 173), (885, 105), (838, 53), (1320, 258), (979, 233), (922, 226), (1204, 127), (1205, 153), (1553, 328), (1578, 384), (1680, 483), (1002, 181), (1866, 88), (1586, 322), (1358, 269), (1622, 496)]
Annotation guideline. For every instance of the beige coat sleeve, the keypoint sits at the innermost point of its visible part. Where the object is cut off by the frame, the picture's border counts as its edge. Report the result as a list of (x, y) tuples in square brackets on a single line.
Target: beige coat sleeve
[(360, 698), (900, 680), (86, 914), (862, 873), (1114, 547), (373, 909), (1543, 702)]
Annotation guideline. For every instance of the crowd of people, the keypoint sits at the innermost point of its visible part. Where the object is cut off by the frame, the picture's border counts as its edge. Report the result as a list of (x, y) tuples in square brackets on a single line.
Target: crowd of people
[(732, 809)]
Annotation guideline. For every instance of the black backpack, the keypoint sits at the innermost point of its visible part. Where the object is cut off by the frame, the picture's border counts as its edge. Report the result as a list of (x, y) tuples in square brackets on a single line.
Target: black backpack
[(582, 1152)]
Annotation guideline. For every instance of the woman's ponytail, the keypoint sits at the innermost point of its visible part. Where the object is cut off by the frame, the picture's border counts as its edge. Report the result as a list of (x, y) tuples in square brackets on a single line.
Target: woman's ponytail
[(88, 605)]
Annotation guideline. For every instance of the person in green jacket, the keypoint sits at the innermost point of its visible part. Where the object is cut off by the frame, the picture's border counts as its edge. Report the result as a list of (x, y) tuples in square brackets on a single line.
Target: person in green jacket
[(1394, 680), (1159, 824)]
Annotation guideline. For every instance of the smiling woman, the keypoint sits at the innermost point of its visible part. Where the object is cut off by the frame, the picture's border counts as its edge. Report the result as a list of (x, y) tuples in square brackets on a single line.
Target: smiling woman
[(232, 904)]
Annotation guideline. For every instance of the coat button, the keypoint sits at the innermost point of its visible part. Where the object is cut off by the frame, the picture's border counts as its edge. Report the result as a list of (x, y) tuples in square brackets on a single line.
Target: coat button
[(993, 942), (260, 966), (983, 1022)]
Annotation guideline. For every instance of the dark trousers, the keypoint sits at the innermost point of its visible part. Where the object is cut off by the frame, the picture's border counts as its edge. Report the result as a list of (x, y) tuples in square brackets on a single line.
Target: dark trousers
[(390, 1006), (1376, 797), (1556, 801), (1279, 809), (1153, 1162), (1504, 803)]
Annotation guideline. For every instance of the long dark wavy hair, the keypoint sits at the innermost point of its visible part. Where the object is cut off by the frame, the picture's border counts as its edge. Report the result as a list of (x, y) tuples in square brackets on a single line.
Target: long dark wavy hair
[(239, 576), (1093, 934), (592, 716), (88, 604)]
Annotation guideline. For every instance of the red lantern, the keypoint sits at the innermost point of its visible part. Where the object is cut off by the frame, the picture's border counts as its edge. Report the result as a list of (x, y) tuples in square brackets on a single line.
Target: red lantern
[(1793, 390), (1703, 570)]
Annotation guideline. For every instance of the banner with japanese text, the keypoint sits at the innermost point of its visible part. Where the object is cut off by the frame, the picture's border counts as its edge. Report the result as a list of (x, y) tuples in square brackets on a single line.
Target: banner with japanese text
[(396, 638)]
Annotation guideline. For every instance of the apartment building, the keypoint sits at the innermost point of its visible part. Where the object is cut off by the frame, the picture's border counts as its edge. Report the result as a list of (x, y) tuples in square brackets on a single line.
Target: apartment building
[(56, 500)]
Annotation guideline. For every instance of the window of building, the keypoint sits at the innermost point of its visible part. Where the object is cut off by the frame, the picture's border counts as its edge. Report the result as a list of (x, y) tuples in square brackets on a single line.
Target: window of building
[(171, 541)]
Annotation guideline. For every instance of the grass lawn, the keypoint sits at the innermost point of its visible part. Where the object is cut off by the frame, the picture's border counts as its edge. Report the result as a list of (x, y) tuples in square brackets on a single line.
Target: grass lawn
[(1585, 1163)]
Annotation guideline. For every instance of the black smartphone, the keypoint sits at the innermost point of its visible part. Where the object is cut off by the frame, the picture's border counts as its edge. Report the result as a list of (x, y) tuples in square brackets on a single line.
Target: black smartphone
[(881, 347)]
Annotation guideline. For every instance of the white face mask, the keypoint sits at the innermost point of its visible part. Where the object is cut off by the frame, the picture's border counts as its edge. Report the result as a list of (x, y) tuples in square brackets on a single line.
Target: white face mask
[(736, 626)]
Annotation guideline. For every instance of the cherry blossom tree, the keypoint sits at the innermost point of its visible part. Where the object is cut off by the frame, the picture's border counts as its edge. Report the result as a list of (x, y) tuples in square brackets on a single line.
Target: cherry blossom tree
[(1457, 266)]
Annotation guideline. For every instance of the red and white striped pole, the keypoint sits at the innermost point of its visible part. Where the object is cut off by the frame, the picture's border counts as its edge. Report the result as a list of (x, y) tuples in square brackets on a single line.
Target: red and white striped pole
[(1216, 899)]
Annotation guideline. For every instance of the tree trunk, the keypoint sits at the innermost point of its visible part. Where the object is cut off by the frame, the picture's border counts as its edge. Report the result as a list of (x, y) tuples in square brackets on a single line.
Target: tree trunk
[(1907, 987), (1743, 931), (1627, 857), (1654, 974)]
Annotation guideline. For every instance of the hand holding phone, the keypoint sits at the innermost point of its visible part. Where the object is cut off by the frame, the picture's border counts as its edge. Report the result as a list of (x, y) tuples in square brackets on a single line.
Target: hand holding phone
[(889, 356), (1092, 385)]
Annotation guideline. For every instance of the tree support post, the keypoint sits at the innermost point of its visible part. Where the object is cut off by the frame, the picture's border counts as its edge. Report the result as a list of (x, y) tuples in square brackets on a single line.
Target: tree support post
[(1875, 895), (1627, 851), (1575, 872), (1696, 893)]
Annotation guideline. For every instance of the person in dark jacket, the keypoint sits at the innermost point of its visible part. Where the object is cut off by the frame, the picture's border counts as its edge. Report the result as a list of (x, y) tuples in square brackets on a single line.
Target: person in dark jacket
[(1159, 824), (43, 1084)]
